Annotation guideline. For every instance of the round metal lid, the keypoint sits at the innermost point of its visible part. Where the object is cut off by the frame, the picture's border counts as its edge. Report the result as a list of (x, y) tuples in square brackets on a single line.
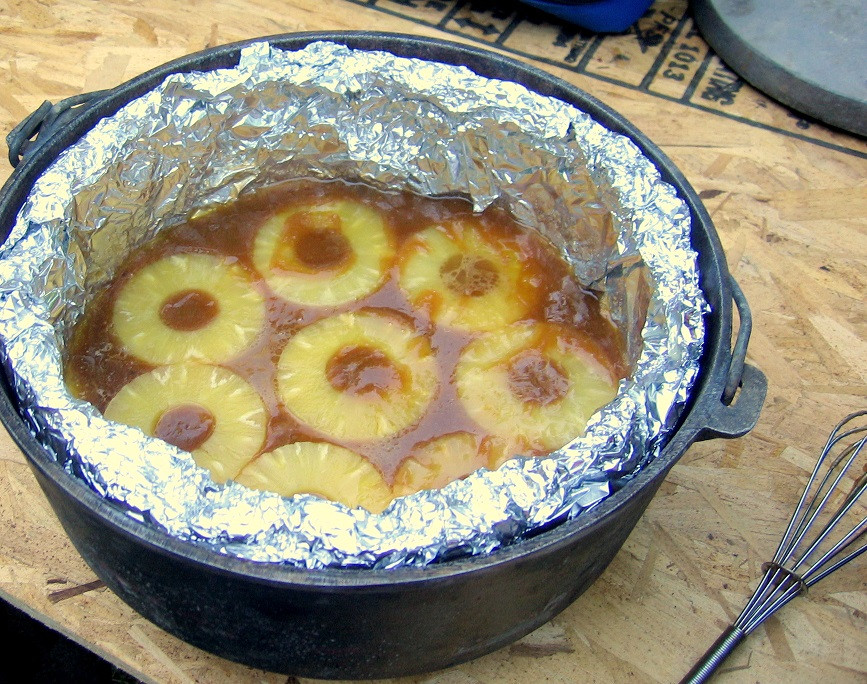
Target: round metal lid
[(808, 54)]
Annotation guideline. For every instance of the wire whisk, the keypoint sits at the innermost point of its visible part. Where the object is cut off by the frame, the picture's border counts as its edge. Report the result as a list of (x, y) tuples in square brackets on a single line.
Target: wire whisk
[(824, 534)]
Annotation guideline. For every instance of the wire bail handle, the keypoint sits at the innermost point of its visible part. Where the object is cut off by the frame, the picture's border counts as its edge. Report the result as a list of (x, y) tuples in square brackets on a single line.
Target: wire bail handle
[(40, 124)]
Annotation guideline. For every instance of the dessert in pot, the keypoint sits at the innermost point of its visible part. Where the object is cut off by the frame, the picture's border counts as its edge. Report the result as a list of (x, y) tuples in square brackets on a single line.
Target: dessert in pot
[(358, 345)]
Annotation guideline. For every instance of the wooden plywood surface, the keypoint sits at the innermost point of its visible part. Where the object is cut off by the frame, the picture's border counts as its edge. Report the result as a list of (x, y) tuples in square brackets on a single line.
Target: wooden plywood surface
[(789, 200)]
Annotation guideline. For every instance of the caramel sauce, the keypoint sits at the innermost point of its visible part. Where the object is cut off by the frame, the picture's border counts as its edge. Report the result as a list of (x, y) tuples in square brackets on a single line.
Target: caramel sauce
[(361, 370), (187, 426), (189, 310), (536, 379), (97, 365), (316, 240), (468, 275)]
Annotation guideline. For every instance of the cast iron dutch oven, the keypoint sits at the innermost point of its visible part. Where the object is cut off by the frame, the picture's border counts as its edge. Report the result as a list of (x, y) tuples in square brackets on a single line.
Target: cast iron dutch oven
[(362, 623)]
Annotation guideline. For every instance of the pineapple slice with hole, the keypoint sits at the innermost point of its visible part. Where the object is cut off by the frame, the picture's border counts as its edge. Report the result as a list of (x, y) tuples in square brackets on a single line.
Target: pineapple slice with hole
[(188, 307), (501, 450), (325, 470), (324, 255), (533, 385), (207, 410), (436, 462), (358, 376), (464, 279)]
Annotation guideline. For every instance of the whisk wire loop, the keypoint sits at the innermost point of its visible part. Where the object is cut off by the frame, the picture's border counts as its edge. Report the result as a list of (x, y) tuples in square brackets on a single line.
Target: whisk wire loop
[(852, 452)]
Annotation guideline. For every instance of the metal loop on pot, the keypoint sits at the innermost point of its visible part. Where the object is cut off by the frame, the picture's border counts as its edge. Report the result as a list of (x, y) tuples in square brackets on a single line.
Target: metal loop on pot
[(40, 124), (739, 353)]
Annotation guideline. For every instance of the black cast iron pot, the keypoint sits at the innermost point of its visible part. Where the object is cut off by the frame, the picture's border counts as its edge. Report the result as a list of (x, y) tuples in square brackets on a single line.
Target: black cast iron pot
[(350, 623)]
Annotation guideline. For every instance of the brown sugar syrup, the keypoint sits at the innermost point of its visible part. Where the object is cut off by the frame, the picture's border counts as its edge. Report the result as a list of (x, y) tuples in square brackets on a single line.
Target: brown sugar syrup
[(97, 366)]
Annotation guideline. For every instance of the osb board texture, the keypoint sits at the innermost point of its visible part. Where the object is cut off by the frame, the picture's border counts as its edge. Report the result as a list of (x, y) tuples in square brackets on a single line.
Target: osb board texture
[(789, 200)]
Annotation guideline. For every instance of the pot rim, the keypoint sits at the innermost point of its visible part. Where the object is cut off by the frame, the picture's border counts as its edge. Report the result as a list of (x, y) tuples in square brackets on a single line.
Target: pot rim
[(696, 414)]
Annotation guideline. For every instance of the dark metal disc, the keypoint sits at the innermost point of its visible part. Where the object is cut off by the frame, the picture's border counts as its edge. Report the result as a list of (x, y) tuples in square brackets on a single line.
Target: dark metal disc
[(809, 54)]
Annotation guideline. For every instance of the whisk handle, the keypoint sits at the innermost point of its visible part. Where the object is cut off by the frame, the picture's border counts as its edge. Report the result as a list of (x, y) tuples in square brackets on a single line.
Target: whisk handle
[(714, 656)]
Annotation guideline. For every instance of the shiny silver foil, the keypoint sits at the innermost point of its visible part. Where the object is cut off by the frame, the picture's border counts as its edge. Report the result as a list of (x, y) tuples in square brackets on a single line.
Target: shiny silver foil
[(201, 139)]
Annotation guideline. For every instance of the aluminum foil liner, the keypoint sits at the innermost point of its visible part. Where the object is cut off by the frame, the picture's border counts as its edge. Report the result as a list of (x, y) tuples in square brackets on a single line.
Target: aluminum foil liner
[(201, 139)]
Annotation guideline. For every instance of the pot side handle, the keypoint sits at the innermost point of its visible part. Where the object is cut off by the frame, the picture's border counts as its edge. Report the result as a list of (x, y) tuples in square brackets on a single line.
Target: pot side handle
[(40, 124), (736, 418)]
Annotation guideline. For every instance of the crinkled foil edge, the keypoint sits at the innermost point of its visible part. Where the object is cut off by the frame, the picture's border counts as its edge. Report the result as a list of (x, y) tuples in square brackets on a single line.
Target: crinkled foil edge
[(57, 254)]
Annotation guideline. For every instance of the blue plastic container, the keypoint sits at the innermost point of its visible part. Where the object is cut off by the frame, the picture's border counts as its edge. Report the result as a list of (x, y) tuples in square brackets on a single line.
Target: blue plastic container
[(602, 16)]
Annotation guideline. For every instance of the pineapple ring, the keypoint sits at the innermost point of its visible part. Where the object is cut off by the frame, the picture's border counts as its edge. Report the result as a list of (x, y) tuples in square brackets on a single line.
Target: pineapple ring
[(486, 383), (322, 469), (137, 317), (369, 254), (466, 281), (239, 414), (307, 392), (435, 463)]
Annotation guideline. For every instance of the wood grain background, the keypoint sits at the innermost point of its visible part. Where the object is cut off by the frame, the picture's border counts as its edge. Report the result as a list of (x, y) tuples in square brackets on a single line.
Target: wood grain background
[(789, 203)]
